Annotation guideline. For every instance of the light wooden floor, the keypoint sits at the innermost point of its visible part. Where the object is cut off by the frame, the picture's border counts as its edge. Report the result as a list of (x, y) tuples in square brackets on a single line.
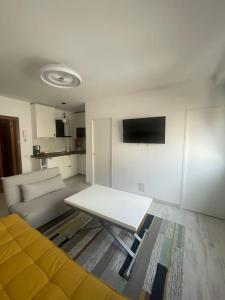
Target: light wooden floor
[(204, 257)]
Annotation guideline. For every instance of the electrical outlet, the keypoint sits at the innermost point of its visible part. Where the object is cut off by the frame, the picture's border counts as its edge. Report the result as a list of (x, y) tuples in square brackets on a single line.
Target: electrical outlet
[(141, 187)]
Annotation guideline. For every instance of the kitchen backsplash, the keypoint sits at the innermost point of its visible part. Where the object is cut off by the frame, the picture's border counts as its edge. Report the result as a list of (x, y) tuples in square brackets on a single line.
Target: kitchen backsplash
[(55, 144)]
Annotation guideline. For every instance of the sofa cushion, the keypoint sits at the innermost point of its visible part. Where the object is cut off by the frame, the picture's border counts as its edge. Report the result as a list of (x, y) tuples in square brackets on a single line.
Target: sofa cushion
[(34, 190), (11, 184), (32, 267), (43, 209)]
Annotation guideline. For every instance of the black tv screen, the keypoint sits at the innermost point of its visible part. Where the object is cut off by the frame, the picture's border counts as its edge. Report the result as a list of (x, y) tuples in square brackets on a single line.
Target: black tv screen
[(144, 130)]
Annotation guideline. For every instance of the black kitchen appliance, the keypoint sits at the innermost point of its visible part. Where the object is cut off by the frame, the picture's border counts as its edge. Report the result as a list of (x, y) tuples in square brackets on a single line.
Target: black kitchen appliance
[(60, 129), (36, 150), (81, 132)]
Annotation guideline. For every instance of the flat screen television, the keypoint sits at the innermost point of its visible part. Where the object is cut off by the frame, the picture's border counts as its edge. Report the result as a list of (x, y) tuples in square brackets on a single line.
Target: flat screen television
[(144, 130)]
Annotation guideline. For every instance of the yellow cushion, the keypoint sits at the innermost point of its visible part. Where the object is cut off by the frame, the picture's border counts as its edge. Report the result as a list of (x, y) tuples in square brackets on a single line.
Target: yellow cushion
[(32, 267)]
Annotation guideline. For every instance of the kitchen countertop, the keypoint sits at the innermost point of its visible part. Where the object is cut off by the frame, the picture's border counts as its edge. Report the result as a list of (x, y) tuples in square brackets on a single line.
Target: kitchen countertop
[(55, 154)]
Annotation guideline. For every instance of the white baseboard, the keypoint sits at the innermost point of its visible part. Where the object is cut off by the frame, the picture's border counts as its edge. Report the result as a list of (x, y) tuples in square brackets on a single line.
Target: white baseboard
[(167, 203)]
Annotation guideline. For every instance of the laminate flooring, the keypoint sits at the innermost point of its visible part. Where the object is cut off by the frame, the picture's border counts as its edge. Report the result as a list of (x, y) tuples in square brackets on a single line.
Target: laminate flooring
[(204, 257)]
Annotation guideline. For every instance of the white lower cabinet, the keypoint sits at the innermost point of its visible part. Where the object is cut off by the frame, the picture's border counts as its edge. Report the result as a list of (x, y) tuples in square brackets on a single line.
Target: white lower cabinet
[(81, 164), (74, 164), (67, 164)]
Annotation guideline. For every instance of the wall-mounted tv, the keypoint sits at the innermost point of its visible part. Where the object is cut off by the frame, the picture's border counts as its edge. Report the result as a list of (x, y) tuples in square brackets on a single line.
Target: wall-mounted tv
[(144, 130)]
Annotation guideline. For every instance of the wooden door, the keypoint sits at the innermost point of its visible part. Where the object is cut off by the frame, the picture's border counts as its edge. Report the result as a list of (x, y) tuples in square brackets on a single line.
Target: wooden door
[(1, 168), (10, 154)]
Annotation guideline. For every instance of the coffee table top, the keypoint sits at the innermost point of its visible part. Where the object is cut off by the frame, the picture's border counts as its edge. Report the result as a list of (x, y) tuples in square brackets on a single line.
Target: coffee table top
[(120, 208)]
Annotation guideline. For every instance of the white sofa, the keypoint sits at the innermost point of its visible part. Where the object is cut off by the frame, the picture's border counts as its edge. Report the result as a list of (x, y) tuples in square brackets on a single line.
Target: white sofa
[(37, 210)]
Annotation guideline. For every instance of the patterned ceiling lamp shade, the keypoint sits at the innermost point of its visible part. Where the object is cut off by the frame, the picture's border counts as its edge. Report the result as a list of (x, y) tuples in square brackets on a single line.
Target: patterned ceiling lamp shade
[(60, 76)]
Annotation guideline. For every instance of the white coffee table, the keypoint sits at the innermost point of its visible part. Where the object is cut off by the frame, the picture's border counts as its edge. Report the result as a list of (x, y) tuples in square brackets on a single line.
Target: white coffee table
[(114, 207)]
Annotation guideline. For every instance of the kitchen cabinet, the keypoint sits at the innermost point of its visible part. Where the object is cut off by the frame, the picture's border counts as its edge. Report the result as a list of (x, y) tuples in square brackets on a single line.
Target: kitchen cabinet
[(67, 164), (43, 121), (74, 164), (35, 164), (80, 120), (81, 164)]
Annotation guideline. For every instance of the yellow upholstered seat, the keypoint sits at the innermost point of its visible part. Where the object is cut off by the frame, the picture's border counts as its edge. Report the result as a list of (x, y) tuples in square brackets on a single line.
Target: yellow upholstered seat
[(32, 267)]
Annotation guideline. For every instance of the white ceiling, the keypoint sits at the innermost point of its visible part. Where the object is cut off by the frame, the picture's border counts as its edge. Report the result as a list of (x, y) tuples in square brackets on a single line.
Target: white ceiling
[(118, 46)]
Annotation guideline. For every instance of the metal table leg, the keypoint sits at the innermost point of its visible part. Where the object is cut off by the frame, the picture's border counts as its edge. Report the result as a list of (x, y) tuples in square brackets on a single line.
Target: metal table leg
[(106, 225), (126, 248)]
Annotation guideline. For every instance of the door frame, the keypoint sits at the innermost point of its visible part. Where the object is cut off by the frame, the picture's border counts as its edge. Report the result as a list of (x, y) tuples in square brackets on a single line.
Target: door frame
[(15, 136), (92, 150)]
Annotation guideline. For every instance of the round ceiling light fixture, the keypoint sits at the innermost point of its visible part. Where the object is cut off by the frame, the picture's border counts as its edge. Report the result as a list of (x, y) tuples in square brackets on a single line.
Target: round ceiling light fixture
[(60, 76)]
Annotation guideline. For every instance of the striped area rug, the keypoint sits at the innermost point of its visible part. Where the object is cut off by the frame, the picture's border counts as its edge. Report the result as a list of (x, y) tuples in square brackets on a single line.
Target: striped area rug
[(158, 269)]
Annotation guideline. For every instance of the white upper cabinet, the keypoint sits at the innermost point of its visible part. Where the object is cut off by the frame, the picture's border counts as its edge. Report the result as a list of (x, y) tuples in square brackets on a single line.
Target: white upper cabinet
[(80, 119), (43, 121)]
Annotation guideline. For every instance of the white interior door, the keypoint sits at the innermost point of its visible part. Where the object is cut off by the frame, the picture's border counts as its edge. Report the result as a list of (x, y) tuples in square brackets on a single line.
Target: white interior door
[(101, 151), (204, 167)]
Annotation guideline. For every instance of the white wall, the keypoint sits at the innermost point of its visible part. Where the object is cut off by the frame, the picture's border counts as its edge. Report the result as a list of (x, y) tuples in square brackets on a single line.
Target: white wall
[(158, 167), (20, 109), (55, 144)]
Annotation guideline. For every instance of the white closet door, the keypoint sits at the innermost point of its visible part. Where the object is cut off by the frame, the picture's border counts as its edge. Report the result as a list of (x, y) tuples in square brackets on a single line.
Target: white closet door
[(204, 166), (101, 151)]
